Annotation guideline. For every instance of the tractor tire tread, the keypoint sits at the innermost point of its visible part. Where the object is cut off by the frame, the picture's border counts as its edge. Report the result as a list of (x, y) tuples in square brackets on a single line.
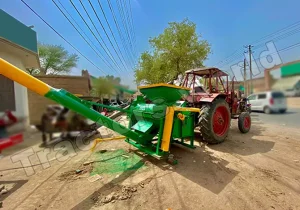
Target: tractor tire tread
[(241, 120), (205, 119)]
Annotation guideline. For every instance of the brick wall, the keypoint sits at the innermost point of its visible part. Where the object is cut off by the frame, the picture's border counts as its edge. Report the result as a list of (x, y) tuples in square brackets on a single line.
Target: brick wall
[(73, 84)]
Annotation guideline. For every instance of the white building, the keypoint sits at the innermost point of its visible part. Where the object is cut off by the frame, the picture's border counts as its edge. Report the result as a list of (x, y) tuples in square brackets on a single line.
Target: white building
[(18, 46)]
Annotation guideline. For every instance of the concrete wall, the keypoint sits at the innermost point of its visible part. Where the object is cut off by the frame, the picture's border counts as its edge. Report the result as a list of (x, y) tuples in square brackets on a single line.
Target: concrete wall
[(38, 104), (258, 85), (21, 98)]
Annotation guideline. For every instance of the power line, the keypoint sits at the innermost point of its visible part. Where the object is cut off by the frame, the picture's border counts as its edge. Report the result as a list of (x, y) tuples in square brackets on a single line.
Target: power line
[(126, 11), (80, 33), (61, 36), (270, 35), (280, 37), (234, 58), (132, 21), (281, 50), (123, 21), (106, 50), (278, 31), (124, 65), (128, 56), (227, 57), (118, 27), (108, 53)]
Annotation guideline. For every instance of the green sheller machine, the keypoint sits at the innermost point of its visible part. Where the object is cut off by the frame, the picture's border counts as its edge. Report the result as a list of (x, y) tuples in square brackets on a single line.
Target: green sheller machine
[(153, 127)]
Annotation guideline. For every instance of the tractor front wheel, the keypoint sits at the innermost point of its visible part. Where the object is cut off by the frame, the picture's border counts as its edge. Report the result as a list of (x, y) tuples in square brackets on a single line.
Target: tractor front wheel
[(214, 121), (244, 122)]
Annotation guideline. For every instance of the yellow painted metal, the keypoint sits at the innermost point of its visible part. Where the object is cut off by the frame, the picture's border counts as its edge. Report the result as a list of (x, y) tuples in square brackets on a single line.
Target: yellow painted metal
[(186, 109), (166, 139), (78, 95), (181, 116), (10, 71), (97, 140), (164, 85)]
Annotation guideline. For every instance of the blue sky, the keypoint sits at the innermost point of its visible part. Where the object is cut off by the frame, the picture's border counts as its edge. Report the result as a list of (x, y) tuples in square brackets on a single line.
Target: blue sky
[(227, 25)]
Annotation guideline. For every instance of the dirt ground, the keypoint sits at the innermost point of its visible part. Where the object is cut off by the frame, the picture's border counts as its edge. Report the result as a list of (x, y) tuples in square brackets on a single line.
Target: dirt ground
[(293, 102), (258, 170)]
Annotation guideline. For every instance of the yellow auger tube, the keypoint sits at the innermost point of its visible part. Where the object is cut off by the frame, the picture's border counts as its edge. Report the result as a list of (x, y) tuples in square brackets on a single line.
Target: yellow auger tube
[(166, 138), (10, 71), (98, 140)]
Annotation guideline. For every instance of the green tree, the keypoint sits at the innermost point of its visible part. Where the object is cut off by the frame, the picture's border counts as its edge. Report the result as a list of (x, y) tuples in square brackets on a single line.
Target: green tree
[(55, 59), (102, 87), (105, 86), (176, 50), (32, 71)]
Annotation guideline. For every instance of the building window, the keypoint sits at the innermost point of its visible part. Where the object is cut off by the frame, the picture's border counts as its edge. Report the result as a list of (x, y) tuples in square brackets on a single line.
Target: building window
[(7, 94)]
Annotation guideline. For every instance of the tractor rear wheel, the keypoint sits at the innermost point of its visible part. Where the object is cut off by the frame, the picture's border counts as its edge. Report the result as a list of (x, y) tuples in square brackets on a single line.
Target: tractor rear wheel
[(214, 121)]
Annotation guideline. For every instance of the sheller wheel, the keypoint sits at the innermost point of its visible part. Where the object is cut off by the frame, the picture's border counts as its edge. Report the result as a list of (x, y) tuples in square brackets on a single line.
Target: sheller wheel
[(244, 122), (214, 121)]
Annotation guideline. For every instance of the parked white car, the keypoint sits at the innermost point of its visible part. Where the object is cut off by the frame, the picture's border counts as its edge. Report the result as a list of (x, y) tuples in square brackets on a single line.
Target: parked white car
[(268, 102)]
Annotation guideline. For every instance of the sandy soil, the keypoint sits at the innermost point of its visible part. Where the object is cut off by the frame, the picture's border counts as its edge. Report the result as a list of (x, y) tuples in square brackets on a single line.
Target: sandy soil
[(293, 102), (258, 170)]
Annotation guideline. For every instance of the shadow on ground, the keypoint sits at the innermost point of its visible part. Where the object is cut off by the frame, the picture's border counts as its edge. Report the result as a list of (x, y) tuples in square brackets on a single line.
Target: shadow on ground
[(16, 185), (276, 113), (245, 144)]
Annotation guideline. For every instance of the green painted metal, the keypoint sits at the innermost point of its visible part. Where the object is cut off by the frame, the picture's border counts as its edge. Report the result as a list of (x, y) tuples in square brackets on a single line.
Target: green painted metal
[(164, 94), (18, 33), (191, 145), (188, 124), (183, 128), (290, 70), (177, 125), (143, 126), (109, 107), (150, 150), (74, 103), (160, 134)]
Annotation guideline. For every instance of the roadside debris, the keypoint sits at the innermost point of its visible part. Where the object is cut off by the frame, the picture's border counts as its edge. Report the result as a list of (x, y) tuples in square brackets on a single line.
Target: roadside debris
[(3, 189), (78, 171), (102, 151), (94, 178), (126, 156), (123, 193), (88, 163), (75, 174)]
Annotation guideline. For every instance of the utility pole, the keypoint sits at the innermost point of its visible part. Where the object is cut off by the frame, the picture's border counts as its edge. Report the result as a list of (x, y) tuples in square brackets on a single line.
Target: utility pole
[(250, 65), (245, 78), (249, 48)]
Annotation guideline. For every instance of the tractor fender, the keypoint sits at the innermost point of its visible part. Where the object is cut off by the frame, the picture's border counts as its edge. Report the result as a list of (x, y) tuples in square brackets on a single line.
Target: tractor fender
[(212, 97)]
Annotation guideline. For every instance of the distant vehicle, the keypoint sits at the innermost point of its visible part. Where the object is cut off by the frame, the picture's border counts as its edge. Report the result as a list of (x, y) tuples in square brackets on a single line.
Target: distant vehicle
[(268, 102), (113, 104), (124, 104), (293, 92)]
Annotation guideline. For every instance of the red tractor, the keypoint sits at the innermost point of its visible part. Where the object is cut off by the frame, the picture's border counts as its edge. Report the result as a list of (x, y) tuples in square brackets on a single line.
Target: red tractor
[(218, 105)]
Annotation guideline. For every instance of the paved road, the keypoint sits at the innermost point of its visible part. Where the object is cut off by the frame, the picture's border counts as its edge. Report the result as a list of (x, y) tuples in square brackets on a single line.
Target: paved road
[(289, 119)]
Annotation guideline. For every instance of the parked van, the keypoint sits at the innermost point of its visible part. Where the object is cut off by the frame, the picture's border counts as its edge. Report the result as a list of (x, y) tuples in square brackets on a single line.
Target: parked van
[(268, 102)]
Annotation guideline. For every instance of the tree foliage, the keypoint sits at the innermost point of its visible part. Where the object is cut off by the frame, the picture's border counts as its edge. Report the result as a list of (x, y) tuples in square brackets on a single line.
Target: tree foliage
[(105, 86), (55, 59), (176, 50)]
